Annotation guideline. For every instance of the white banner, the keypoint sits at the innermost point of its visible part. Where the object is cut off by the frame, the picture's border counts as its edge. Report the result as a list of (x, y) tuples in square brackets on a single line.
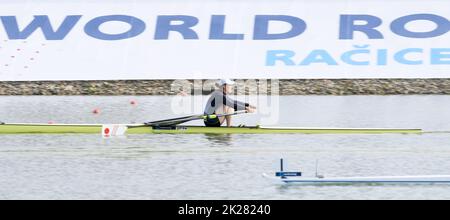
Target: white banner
[(209, 39)]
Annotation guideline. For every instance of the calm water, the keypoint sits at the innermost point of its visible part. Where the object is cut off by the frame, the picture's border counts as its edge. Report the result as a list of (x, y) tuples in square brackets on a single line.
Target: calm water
[(222, 166)]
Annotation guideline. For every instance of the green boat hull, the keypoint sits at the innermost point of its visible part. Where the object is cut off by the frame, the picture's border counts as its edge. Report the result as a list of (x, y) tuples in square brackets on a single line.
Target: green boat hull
[(97, 129)]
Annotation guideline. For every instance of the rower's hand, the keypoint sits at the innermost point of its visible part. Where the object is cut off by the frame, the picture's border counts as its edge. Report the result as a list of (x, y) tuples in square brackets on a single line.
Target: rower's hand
[(250, 109)]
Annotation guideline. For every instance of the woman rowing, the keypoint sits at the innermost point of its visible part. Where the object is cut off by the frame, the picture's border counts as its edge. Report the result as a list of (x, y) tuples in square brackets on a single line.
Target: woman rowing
[(221, 104)]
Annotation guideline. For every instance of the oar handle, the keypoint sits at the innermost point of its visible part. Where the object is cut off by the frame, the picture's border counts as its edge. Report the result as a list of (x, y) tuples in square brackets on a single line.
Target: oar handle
[(223, 115)]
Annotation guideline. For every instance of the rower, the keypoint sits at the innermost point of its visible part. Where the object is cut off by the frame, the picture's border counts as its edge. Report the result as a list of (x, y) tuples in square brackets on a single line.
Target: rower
[(220, 103)]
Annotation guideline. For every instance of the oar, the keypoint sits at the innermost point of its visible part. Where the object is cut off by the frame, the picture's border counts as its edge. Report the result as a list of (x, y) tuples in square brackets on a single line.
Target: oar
[(177, 121)]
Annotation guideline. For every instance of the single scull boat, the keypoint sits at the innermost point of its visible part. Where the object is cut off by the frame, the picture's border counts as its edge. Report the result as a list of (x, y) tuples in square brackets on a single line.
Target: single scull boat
[(172, 126), (137, 129)]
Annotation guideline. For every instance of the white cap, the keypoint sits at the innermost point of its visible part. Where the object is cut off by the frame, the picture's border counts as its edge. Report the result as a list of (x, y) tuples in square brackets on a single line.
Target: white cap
[(223, 82)]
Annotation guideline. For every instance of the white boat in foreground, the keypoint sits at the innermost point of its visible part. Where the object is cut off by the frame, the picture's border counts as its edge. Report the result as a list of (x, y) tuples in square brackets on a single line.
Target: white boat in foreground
[(297, 178), (366, 180)]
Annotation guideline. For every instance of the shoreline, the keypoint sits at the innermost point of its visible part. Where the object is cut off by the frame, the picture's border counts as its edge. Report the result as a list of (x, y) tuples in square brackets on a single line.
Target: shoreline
[(173, 87)]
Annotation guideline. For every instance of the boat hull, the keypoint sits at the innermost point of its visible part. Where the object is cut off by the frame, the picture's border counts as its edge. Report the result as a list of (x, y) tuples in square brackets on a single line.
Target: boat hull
[(97, 129), (442, 179)]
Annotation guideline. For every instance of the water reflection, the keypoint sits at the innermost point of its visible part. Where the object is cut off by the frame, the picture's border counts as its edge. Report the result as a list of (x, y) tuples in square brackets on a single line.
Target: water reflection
[(223, 166), (219, 140)]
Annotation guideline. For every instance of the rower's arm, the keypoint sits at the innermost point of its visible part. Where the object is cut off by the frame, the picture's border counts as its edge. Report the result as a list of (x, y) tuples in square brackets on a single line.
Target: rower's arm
[(237, 105)]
